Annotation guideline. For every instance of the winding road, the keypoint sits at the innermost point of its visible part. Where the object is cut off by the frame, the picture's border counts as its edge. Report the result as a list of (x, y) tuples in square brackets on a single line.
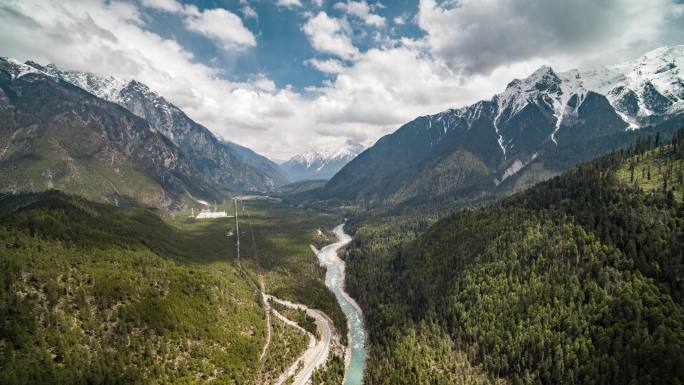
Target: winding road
[(317, 352)]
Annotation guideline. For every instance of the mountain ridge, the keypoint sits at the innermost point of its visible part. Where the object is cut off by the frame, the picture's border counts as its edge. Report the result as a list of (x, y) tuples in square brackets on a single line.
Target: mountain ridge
[(226, 165), (532, 121), (57, 135)]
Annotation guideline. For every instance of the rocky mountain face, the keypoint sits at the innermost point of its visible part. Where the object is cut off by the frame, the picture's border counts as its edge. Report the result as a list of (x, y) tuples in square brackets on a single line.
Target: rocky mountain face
[(230, 166), (258, 162), (536, 128), (321, 164), (56, 135)]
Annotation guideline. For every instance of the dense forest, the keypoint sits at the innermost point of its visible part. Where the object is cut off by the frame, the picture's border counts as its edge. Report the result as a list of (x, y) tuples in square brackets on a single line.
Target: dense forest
[(92, 293), (578, 280)]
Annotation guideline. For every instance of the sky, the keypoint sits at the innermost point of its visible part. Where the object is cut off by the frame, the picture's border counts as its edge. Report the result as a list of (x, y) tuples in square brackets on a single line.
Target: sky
[(285, 76)]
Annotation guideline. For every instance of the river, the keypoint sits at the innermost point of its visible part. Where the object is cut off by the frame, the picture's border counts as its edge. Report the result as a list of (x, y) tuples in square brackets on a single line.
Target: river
[(334, 279)]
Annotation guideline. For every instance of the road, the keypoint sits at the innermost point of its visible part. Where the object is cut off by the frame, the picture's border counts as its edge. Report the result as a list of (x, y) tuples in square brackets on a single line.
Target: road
[(317, 352), (267, 312)]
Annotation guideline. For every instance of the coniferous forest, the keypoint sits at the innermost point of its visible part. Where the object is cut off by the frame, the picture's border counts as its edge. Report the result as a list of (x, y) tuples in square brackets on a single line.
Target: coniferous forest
[(579, 280)]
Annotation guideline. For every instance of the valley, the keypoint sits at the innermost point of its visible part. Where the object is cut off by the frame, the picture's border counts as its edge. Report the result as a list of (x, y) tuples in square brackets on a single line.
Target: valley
[(535, 236)]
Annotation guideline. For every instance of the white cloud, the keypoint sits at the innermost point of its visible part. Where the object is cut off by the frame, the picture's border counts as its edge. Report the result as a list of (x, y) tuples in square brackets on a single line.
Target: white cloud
[(370, 95), (363, 11), (218, 24), (330, 35), (480, 35), (330, 66), (399, 20), (249, 12), (289, 3), (172, 6), (222, 26)]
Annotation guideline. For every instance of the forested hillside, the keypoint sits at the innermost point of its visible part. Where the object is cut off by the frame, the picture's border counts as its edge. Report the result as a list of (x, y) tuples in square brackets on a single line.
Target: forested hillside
[(92, 293), (579, 280)]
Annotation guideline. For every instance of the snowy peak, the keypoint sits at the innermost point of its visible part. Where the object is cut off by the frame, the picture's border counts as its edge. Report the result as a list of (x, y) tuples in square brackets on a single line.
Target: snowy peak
[(322, 163), (110, 88), (542, 80), (17, 69), (316, 158), (543, 86), (104, 87), (349, 150), (651, 85)]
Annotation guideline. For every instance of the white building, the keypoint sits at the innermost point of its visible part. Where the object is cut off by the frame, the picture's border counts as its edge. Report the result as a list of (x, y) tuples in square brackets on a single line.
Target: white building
[(205, 214)]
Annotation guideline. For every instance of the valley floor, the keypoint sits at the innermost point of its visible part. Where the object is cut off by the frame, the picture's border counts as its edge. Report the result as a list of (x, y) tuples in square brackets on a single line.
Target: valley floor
[(93, 293)]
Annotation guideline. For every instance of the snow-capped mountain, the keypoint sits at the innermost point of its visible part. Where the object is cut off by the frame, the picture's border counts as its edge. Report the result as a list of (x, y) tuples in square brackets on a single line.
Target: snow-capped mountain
[(323, 163), (550, 119), (222, 162)]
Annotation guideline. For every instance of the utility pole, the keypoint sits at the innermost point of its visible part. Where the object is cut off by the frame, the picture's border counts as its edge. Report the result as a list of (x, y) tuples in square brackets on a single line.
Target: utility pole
[(237, 230)]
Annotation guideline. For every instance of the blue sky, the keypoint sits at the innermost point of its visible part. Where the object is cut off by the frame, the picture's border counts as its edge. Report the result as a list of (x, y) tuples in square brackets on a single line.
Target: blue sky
[(285, 76), (283, 48)]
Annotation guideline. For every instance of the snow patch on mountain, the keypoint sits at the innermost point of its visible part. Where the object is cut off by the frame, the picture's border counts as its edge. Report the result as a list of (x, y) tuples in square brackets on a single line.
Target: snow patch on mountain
[(104, 87), (515, 168)]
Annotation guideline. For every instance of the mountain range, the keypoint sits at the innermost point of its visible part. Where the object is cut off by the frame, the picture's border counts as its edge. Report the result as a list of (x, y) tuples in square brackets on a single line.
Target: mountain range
[(536, 128), (321, 164), (227, 164), (113, 140)]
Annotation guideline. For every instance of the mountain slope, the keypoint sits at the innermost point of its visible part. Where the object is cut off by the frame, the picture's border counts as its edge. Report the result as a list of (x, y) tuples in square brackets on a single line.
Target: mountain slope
[(537, 127), (259, 162), (321, 165), (56, 135), (576, 280), (233, 167)]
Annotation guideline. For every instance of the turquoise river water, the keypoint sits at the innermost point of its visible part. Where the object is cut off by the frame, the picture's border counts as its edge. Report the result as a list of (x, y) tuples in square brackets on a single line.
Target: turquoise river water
[(334, 279)]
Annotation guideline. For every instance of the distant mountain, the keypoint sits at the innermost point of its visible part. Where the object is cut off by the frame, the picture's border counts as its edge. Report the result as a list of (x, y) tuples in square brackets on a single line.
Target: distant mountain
[(56, 135), (536, 128), (230, 166), (322, 164)]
